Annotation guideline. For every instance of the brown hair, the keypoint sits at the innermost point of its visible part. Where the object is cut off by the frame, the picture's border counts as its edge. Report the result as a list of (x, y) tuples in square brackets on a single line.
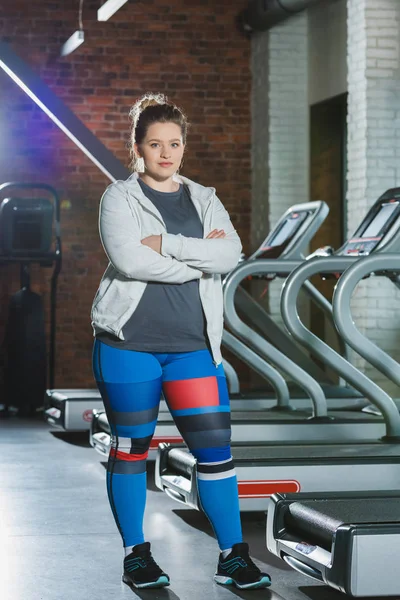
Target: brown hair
[(149, 109)]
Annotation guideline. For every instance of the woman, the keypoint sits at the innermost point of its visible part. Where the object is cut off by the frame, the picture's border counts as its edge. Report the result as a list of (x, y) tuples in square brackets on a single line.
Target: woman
[(158, 319)]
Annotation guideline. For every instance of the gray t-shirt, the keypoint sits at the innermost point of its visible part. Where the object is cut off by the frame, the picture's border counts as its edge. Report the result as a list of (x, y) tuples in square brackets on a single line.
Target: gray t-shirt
[(169, 317)]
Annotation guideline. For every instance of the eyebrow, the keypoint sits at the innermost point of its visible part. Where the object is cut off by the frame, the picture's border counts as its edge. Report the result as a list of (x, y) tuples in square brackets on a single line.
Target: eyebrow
[(155, 140)]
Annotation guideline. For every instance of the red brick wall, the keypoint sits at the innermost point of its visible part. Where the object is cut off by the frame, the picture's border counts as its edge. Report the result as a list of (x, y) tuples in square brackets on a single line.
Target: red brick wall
[(193, 52)]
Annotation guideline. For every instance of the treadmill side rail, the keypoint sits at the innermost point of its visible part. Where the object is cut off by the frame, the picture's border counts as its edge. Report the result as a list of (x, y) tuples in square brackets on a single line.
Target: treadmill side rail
[(99, 439), (71, 410), (363, 559), (180, 484), (275, 522)]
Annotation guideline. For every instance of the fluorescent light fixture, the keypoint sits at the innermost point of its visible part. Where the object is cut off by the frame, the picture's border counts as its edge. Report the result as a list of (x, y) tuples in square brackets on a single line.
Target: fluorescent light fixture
[(73, 42), (109, 8), (63, 117)]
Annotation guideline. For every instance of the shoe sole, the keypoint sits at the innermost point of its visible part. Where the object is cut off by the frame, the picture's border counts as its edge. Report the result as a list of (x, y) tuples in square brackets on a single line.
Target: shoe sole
[(161, 582), (262, 583)]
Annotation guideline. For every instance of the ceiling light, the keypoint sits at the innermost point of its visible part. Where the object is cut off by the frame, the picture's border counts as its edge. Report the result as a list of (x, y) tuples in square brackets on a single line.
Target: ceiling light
[(76, 38), (73, 42), (109, 8)]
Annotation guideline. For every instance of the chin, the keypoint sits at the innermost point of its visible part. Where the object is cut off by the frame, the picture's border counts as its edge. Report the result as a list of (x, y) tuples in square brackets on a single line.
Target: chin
[(165, 174)]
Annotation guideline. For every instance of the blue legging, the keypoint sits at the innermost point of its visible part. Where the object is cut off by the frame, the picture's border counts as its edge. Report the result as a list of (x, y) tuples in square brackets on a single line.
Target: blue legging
[(196, 392)]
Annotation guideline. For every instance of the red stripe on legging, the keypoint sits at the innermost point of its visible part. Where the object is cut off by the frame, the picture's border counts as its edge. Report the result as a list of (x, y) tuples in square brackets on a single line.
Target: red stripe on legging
[(192, 393), (164, 438), (127, 457)]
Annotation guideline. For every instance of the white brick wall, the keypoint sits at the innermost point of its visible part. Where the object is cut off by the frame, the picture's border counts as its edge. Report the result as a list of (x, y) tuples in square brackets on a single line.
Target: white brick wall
[(374, 152), (280, 130), (288, 110)]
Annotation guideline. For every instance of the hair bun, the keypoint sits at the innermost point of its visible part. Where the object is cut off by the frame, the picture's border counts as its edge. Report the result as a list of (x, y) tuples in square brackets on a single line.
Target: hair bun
[(152, 100), (148, 99)]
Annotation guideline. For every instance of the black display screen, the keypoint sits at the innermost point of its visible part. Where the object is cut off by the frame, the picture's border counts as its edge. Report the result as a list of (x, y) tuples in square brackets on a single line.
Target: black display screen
[(287, 229), (383, 216), (27, 234)]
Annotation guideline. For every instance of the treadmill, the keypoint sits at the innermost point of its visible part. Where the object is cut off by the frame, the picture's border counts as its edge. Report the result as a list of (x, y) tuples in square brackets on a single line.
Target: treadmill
[(349, 541), (313, 466), (288, 240)]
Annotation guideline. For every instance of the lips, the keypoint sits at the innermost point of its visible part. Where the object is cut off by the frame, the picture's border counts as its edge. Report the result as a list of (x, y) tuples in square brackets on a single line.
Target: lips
[(165, 164)]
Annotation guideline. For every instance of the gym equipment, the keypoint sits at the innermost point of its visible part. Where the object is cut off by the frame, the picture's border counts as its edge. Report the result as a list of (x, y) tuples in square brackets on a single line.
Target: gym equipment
[(69, 410), (287, 241), (313, 466), (349, 541), (388, 266), (26, 238), (378, 233)]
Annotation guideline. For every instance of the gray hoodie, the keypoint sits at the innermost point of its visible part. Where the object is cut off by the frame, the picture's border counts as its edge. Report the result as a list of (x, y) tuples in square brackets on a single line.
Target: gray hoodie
[(126, 217)]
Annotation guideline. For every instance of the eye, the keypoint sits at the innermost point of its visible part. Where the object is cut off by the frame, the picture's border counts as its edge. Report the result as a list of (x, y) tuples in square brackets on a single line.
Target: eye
[(175, 144), (153, 145)]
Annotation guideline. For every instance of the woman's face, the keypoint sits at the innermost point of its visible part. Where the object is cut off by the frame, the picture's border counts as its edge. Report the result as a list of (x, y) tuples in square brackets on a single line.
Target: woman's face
[(162, 150)]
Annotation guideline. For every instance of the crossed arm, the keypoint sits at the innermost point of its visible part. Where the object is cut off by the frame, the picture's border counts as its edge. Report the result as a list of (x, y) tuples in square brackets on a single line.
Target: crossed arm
[(154, 241), (165, 258)]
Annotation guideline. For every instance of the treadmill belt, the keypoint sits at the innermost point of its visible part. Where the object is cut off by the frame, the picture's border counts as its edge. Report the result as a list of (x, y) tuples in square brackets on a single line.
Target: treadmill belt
[(316, 521)]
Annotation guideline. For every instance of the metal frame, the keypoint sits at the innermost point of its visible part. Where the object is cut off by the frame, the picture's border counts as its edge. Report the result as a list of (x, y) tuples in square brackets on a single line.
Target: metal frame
[(375, 264), (366, 386), (264, 348)]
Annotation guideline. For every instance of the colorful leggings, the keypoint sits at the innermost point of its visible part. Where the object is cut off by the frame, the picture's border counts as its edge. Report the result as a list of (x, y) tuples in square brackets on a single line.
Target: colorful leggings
[(196, 392)]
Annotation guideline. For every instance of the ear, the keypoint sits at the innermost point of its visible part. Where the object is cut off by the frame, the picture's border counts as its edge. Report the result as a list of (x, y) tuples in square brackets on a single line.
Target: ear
[(136, 150)]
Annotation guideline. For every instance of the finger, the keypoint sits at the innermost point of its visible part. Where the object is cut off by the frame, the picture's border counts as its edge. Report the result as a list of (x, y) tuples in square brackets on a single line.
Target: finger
[(216, 233)]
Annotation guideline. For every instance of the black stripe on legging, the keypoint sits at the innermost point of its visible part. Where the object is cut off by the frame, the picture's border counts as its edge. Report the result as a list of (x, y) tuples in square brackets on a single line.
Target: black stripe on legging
[(221, 468), (111, 460)]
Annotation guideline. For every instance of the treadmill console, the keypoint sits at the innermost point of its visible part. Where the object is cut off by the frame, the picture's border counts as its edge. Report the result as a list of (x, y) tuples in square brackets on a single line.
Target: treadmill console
[(376, 227), (291, 235), (281, 236)]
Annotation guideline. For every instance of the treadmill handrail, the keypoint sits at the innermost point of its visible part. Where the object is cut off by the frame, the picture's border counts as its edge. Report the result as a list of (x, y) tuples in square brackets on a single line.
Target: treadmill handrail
[(258, 318), (267, 350), (260, 366), (232, 378), (326, 307), (343, 318), (360, 381)]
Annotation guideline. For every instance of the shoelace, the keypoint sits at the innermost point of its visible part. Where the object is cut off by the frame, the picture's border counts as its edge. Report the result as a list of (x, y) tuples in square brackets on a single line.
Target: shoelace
[(250, 566), (149, 561)]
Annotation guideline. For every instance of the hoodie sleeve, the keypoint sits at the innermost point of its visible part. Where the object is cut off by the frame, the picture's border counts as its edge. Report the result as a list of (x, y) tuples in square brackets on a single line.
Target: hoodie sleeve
[(120, 235), (212, 255)]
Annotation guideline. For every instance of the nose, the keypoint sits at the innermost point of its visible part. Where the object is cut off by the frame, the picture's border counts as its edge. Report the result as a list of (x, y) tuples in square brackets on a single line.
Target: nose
[(165, 152)]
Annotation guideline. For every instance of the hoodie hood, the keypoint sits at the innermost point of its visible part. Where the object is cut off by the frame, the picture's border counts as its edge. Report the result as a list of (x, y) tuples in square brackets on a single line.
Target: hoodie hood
[(196, 190)]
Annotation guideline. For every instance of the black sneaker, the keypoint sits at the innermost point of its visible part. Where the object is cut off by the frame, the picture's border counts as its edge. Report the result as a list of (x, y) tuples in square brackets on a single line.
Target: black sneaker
[(238, 569), (141, 570)]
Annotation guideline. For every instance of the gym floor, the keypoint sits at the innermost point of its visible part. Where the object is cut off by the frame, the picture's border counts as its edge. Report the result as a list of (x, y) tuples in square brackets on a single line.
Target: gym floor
[(59, 540)]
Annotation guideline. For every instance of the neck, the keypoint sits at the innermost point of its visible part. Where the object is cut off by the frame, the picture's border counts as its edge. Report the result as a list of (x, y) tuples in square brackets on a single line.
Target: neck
[(167, 185)]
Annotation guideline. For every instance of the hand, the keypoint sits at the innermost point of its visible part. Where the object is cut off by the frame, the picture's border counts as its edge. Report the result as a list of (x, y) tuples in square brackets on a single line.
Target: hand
[(153, 242), (216, 233)]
